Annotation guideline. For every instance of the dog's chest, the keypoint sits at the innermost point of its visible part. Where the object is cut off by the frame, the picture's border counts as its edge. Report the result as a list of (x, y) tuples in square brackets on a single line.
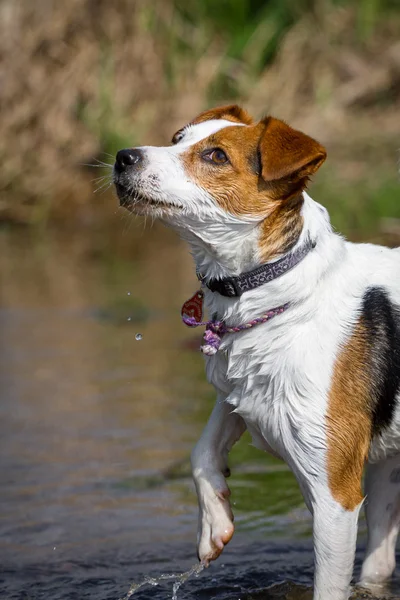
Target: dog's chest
[(266, 379), (271, 378)]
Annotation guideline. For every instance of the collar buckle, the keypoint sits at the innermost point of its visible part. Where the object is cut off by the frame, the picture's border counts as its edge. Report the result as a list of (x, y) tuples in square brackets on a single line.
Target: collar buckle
[(226, 287)]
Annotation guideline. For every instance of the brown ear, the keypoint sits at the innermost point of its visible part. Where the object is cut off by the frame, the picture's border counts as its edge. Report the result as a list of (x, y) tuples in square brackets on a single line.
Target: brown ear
[(232, 112), (286, 152)]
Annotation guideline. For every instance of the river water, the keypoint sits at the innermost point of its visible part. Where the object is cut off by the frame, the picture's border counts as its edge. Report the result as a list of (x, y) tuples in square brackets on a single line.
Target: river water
[(103, 396)]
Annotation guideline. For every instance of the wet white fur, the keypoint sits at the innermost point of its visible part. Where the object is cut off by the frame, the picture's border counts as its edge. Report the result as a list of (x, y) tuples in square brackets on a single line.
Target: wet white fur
[(274, 379)]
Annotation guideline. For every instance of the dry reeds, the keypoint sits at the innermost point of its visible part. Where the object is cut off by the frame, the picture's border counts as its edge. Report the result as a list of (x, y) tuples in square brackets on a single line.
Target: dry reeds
[(84, 77)]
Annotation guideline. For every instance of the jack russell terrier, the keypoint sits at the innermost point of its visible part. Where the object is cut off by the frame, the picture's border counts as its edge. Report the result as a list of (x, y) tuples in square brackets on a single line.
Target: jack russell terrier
[(303, 341)]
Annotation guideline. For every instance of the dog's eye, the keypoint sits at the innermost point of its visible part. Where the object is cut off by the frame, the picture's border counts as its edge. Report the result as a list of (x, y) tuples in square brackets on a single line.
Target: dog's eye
[(178, 136), (216, 156)]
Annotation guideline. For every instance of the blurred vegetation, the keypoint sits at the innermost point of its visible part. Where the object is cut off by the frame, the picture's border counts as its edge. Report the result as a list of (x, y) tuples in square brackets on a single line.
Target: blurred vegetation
[(84, 78)]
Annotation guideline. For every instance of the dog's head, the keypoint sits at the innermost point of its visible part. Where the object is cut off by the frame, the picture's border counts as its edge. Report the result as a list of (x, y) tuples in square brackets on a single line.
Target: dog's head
[(221, 168)]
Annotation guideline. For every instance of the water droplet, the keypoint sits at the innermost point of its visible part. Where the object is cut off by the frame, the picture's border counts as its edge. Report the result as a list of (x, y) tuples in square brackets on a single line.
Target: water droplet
[(129, 319), (138, 337)]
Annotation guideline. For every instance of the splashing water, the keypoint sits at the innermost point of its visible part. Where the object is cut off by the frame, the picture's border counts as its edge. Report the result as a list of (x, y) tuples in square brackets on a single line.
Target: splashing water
[(195, 570), (180, 579)]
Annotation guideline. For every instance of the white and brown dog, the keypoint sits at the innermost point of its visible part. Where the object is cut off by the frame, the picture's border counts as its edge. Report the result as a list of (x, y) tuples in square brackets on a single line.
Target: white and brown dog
[(304, 341)]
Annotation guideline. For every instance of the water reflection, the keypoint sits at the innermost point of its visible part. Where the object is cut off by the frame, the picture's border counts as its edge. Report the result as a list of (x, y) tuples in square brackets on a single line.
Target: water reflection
[(96, 429)]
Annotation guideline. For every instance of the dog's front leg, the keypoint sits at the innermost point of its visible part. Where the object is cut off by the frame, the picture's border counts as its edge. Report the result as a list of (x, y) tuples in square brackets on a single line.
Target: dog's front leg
[(210, 467)]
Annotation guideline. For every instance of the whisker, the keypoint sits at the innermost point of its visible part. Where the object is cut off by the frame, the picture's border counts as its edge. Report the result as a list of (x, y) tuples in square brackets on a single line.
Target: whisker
[(99, 164), (102, 188), (105, 166), (128, 224), (98, 179)]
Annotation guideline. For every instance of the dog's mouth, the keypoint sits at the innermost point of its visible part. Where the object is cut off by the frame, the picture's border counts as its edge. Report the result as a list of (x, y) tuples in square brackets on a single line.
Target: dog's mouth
[(137, 202)]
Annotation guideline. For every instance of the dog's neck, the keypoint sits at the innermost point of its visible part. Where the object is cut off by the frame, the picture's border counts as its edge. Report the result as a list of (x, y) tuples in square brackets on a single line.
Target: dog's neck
[(226, 249), (236, 252), (220, 251)]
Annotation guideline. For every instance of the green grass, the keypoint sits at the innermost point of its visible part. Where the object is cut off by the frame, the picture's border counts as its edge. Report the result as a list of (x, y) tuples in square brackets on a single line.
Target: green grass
[(249, 33), (357, 209), (105, 118)]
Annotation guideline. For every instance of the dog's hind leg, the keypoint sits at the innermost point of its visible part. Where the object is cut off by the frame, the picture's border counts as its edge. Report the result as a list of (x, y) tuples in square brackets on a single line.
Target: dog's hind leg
[(210, 468), (382, 486)]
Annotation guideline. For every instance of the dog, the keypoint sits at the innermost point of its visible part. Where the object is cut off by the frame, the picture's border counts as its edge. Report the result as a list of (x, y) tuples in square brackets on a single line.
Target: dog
[(303, 342)]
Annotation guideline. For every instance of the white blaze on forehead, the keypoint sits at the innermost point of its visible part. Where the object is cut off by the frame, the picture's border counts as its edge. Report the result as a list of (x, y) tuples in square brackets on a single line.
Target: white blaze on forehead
[(194, 133)]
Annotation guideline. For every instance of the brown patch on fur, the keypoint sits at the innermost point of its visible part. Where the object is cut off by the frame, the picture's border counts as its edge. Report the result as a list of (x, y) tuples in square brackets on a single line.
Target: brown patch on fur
[(349, 426), (234, 185), (281, 230), (269, 166), (231, 112)]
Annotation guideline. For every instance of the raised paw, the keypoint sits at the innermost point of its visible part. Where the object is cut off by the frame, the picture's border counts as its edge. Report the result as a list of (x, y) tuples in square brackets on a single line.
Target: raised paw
[(215, 522)]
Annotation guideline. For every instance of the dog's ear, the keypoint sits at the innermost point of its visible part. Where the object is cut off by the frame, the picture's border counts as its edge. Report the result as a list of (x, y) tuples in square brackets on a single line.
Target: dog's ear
[(286, 153)]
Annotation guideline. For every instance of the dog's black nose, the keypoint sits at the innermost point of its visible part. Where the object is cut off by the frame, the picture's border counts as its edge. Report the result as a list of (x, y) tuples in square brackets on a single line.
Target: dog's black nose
[(128, 157)]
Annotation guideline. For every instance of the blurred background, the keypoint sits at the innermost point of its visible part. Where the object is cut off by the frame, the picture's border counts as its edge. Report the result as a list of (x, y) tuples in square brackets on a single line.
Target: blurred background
[(102, 390)]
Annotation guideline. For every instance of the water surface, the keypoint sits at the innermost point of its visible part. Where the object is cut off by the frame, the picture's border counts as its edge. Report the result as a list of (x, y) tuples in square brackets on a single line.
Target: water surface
[(96, 429)]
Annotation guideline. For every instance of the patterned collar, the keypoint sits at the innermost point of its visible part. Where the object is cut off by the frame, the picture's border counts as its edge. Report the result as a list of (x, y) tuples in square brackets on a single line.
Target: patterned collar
[(236, 286)]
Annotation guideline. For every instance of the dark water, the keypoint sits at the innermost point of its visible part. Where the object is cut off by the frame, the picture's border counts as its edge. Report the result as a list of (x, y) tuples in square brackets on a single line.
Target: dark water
[(96, 429)]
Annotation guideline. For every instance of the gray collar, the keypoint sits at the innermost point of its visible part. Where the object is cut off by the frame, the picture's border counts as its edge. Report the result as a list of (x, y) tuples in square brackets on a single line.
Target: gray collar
[(236, 286)]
